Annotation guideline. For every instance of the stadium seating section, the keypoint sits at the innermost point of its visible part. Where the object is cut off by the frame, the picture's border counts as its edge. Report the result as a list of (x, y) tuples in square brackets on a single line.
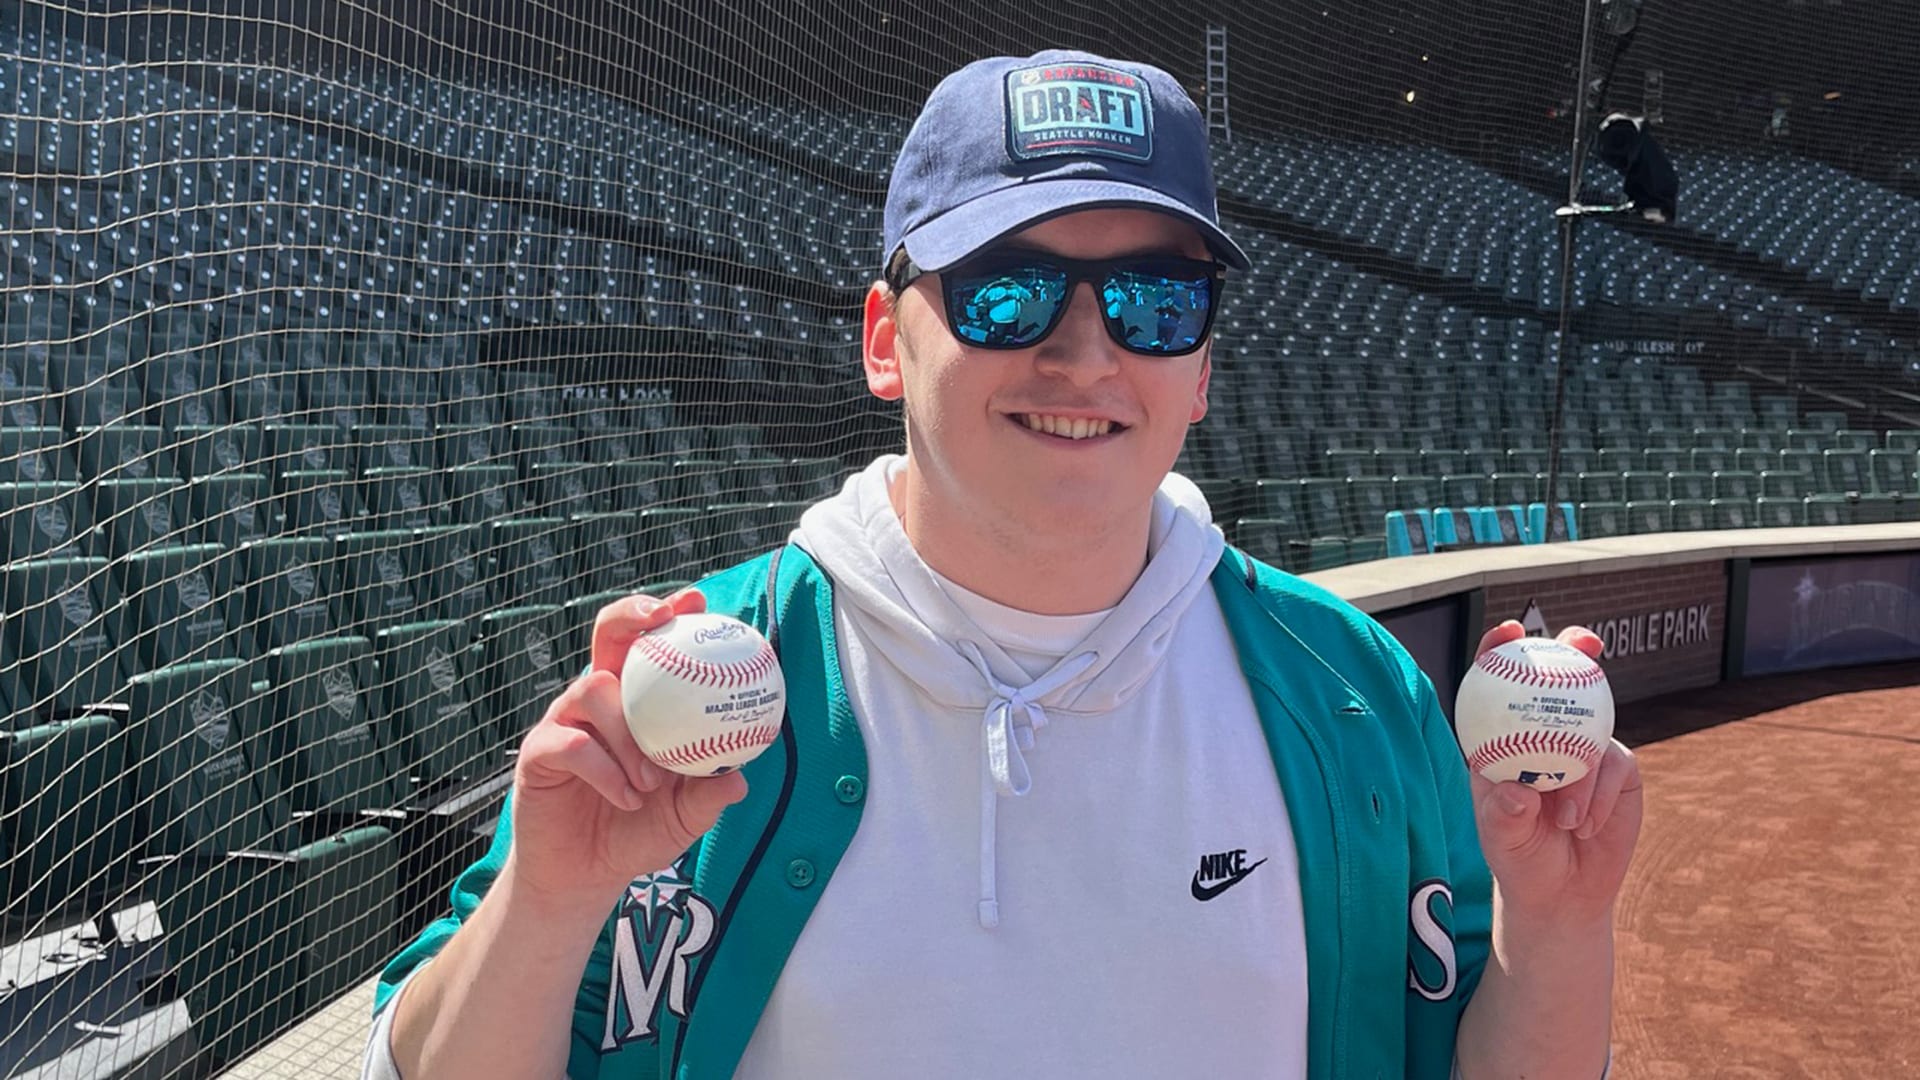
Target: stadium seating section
[(296, 552)]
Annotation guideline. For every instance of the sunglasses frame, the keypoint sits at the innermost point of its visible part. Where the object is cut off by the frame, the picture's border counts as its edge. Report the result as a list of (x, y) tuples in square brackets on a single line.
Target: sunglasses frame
[(902, 272)]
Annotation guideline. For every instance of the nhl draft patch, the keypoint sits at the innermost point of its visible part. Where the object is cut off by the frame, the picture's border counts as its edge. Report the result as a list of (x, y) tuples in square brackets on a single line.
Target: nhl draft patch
[(1057, 109)]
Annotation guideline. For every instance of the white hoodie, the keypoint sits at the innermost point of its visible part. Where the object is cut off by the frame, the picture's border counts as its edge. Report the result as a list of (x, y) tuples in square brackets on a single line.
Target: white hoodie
[(1073, 859)]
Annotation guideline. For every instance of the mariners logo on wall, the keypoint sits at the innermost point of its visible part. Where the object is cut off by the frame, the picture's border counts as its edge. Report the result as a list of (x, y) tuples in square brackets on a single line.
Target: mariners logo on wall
[(663, 926)]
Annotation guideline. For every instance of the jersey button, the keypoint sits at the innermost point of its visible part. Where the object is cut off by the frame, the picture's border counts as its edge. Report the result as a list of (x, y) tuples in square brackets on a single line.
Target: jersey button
[(849, 789), (799, 873)]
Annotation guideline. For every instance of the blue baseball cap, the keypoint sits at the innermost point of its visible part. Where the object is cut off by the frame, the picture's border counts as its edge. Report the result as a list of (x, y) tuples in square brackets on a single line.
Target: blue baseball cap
[(1009, 141)]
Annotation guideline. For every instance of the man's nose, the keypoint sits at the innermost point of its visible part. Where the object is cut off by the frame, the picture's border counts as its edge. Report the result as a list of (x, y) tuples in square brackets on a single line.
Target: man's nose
[(1079, 347)]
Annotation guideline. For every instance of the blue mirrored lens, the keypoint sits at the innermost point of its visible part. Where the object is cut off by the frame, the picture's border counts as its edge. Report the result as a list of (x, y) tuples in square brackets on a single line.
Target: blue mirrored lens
[(1007, 308), (1157, 313)]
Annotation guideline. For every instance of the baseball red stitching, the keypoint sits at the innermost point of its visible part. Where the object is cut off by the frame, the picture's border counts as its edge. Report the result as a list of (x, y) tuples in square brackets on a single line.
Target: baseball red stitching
[(1534, 742), (724, 743), (706, 672), (1555, 679)]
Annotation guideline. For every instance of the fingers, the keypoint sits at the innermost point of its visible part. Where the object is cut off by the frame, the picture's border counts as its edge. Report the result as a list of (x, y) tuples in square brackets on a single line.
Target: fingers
[(1507, 813), (1618, 772), (556, 754), (1509, 630), (1583, 639), (619, 623), (592, 704), (697, 803)]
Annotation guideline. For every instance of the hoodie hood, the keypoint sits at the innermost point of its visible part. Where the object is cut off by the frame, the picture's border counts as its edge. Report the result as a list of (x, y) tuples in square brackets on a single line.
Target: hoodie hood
[(881, 582)]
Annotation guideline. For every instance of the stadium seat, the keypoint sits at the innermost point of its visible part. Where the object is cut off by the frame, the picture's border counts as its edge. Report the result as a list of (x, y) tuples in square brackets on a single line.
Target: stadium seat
[(1368, 500), (1601, 519), (32, 454), (184, 604), (481, 493), (548, 443), (521, 667), (386, 580), (531, 561), (43, 519), (1454, 529), (1559, 525), (1464, 490), (669, 541), (391, 446), (1408, 532), (1326, 553), (1876, 509), (125, 452), (329, 756), (608, 551), (562, 490), (1828, 510), (439, 737), (290, 586), (320, 502), (1692, 515), (1893, 471), (1274, 542), (1649, 516), (68, 628), (1774, 512), (136, 515), (460, 575), (1731, 513), (65, 816), (304, 448), (1846, 471), (403, 498), (1323, 506)]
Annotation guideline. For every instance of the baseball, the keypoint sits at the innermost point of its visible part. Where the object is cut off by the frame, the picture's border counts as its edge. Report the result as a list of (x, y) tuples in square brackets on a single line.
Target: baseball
[(1536, 711), (703, 695)]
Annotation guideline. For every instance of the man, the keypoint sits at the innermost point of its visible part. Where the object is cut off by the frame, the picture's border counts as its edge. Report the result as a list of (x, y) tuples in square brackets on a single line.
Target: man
[(1065, 788)]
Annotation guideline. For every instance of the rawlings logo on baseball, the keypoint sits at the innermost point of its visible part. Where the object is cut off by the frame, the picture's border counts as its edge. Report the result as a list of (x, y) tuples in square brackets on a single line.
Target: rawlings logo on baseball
[(703, 695), (1535, 711)]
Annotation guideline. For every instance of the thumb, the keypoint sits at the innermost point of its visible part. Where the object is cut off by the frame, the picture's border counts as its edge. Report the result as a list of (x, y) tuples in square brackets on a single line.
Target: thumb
[(1507, 813)]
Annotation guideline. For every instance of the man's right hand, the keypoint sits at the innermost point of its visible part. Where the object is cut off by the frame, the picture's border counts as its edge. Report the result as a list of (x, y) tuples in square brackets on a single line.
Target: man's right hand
[(590, 811)]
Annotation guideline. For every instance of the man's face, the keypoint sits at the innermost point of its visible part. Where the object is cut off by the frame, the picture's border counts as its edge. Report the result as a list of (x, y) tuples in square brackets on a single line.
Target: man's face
[(990, 432)]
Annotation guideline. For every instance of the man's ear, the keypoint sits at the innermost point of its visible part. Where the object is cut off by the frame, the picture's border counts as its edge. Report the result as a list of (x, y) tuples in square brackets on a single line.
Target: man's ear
[(880, 334), (1200, 391)]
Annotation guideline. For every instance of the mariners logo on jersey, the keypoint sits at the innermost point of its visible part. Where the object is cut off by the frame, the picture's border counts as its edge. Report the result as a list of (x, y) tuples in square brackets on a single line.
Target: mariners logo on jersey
[(1433, 968), (1057, 109), (661, 928)]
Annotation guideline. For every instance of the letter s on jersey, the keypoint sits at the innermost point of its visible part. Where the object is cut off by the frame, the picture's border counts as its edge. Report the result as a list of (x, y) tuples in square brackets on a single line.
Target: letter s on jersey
[(1431, 966)]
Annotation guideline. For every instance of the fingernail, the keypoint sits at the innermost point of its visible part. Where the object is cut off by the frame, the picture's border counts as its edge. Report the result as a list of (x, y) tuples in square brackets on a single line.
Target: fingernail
[(645, 606), (1569, 815), (633, 798), (650, 776), (1511, 802), (1586, 830)]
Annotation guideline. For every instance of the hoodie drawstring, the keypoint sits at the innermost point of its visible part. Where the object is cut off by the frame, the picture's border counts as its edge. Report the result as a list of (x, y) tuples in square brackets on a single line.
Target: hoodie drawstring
[(1003, 768)]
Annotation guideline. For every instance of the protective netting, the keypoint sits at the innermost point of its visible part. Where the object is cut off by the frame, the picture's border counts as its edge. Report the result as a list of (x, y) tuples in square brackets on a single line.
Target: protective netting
[(354, 356)]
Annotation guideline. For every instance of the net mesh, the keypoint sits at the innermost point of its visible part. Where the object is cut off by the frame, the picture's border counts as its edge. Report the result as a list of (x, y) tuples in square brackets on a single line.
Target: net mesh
[(354, 356)]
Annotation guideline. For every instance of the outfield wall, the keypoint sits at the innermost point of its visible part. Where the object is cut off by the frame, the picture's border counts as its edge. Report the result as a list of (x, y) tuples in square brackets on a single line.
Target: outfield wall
[(1677, 610)]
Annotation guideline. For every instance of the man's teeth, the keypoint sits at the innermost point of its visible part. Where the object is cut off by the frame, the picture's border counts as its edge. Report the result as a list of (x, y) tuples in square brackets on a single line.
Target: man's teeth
[(1066, 428)]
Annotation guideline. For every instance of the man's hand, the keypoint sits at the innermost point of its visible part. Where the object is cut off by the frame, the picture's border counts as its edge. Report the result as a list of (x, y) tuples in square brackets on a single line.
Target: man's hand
[(1560, 856)]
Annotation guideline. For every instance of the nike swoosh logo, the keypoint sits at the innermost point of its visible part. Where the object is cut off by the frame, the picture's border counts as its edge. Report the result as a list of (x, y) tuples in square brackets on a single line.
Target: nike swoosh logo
[(1208, 892)]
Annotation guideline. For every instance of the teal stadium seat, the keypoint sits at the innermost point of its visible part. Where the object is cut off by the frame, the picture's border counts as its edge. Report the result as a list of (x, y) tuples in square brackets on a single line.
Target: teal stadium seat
[(66, 817), (521, 667), (319, 733)]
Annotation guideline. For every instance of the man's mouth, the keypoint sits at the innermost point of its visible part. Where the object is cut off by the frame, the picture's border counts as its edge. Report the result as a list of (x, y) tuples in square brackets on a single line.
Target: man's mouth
[(1068, 427)]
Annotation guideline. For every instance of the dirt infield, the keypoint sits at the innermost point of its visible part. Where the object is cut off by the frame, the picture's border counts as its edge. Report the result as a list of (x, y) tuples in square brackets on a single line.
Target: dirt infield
[(1769, 926)]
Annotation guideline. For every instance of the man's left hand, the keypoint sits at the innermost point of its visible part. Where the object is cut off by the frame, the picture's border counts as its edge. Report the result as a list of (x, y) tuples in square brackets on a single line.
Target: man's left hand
[(1560, 856)]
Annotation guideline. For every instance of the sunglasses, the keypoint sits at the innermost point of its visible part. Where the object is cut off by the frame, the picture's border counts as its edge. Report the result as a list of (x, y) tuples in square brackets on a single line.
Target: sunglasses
[(1153, 305)]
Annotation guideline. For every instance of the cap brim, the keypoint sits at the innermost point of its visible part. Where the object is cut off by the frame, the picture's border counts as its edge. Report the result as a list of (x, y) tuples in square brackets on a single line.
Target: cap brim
[(972, 226)]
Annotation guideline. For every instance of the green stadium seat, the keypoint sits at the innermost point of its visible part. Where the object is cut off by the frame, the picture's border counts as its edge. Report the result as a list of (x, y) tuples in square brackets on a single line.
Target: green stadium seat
[(812, 479), (1780, 484), (471, 444), (1710, 461), (1893, 471), (1483, 462), (1846, 471), (1808, 462), (125, 451), (101, 405), (482, 493), (1716, 439), (264, 397), (438, 736), (740, 442), (184, 605), (1907, 440), (1732, 513), (1772, 512), (1415, 492), (609, 551), (29, 406), (1692, 515), (669, 540), (1598, 519), (457, 555), (67, 817), (1345, 464), (403, 498), (1645, 486), (1512, 488), (1323, 506), (549, 443), (1829, 510), (1662, 460), (68, 628), (522, 667), (1649, 516), (1619, 460), (1806, 439), (320, 502), (1854, 440), (42, 519), (1756, 461), (328, 754), (33, 454), (391, 446), (568, 488), (1442, 463), (1767, 440), (232, 509), (211, 451), (1464, 490), (304, 448), (196, 781), (1691, 486), (1274, 542), (1326, 553), (386, 579), (1735, 485), (1368, 500), (633, 486), (290, 586), (1875, 509), (1827, 420), (531, 560), (1602, 487), (136, 515)]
